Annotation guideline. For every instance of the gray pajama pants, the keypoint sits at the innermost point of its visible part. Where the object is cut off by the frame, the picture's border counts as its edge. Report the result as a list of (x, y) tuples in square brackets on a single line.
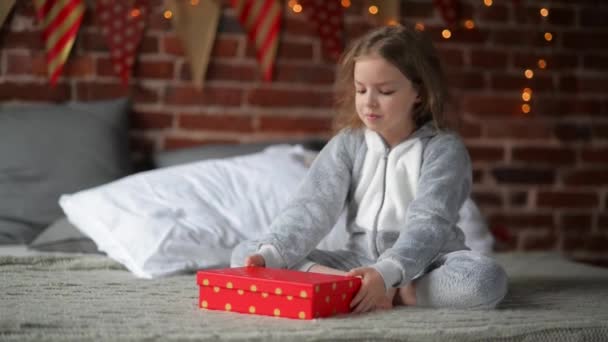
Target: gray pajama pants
[(461, 279)]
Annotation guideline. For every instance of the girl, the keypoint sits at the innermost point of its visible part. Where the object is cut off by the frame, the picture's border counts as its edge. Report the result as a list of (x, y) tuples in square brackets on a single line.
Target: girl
[(403, 179)]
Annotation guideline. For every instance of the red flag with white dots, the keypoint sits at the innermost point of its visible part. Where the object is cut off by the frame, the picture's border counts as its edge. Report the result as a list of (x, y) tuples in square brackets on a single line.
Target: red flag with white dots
[(122, 24), (328, 18)]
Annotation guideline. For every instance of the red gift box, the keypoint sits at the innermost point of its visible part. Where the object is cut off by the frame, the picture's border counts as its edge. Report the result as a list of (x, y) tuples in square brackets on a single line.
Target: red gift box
[(276, 292)]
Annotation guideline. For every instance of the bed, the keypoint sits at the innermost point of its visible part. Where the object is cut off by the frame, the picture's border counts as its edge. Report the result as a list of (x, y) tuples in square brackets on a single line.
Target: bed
[(58, 296), (120, 265)]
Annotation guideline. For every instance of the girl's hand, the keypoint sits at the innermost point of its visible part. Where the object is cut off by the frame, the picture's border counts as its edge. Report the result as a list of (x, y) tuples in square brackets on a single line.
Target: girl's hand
[(372, 293), (255, 260)]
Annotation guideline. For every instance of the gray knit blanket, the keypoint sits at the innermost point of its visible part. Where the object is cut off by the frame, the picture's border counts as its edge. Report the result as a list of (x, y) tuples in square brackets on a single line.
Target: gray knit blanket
[(86, 297)]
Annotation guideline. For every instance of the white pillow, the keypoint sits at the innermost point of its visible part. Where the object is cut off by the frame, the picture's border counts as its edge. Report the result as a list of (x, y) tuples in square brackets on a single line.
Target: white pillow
[(190, 216)]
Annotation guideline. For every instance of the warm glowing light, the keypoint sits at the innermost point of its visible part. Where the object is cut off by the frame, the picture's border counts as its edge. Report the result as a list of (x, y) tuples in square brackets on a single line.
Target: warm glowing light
[(529, 73), (345, 3), (297, 8), (528, 91), (446, 34), (487, 2), (544, 12), (525, 108), (542, 63), (373, 9), (194, 2), (470, 24), (526, 96), (548, 36), (168, 14), (392, 22), (135, 12), (420, 26), (292, 3)]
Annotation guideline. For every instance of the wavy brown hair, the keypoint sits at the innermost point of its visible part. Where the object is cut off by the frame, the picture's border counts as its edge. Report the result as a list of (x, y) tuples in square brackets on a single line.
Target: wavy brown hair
[(413, 53)]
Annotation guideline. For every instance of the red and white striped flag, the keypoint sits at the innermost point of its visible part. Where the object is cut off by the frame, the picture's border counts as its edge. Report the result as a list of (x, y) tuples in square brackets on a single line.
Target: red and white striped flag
[(60, 21), (262, 20)]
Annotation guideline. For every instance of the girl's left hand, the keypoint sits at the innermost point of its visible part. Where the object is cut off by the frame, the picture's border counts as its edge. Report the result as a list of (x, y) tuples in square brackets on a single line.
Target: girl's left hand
[(372, 293)]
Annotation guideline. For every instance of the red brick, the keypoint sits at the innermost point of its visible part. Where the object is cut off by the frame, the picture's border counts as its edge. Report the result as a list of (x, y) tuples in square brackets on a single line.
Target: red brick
[(599, 131), (544, 155), (231, 71), (555, 61), (469, 129), (209, 95), (288, 98), (595, 155), (92, 41), (487, 199), (585, 40), (478, 176), (567, 200), (149, 45), (143, 95), (582, 84), (151, 120), (162, 70), (517, 82), (25, 64), (568, 107), (465, 79), (450, 57), (573, 132), (491, 105), (313, 74), (486, 153), (589, 243), (291, 51), (295, 124), (518, 221), (595, 62), (220, 122), (91, 91), (539, 242), (525, 129), (495, 13), (34, 91), (513, 175), (488, 59), (576, 223), (31, 40), (594, 17), (223, 46), (519, 37), (518, 199), (587, 177), (602, 223), (298, 27), (79, 66), (173, 143)]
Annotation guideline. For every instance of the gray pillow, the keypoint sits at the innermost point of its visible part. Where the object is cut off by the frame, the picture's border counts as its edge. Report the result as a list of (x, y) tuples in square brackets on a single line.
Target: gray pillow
[(214, 151), (63, 236), (48, 150)]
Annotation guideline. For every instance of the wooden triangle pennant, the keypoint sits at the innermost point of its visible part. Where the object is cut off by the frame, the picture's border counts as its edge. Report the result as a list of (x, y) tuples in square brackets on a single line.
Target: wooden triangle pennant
[(5, 9)]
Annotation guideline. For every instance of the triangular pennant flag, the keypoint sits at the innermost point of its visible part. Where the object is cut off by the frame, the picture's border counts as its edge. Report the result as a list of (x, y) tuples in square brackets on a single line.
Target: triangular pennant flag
[(5, 9), (328, 19), (196, 25), (389, 11), (122, 25), (60, 21), (262, 21)]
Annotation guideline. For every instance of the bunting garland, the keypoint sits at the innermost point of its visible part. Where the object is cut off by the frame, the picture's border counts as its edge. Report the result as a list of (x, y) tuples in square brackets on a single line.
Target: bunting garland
[(60, 20), (327, 17), (262, 21), (122, 24), (196, 26), (5, 9)]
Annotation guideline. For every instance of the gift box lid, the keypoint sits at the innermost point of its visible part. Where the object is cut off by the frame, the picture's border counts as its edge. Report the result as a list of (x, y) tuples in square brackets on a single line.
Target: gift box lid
[(277, 281)]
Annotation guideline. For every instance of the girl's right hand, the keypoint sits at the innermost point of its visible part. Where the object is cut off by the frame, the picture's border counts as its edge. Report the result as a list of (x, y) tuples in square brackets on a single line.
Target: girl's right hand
[(255, 260)]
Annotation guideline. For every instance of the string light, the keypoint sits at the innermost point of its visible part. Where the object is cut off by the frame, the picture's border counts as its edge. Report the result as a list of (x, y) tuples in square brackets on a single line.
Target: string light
[(447, 34), (529, 73), (392, 22), (544, 12), (542, 63), (345, 3), (194, 2), (488, 3), (168, 14), (469, 24), (548, 36), (419, 26), (373, 9), (525, 108), (297, 8), (135, 12), (526, 96)]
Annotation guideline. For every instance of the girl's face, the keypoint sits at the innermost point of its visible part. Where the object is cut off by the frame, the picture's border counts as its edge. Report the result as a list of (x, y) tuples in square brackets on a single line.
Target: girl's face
[(384, 98)]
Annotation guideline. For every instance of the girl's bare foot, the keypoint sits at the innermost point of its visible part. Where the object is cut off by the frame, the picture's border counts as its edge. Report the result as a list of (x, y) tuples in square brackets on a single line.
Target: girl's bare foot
[(406, 295)]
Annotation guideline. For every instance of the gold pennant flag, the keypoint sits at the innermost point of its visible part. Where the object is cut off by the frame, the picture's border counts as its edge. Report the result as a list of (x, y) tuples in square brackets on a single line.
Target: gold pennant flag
[(195, 23), (389, 11), (5, 9)]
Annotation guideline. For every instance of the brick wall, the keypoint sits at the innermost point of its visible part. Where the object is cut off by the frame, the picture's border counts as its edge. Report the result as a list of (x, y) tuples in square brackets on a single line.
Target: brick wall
[(540, 178)]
